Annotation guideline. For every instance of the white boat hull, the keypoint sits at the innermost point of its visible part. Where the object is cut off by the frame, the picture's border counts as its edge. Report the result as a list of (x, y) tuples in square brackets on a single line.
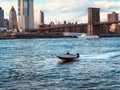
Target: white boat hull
[(68, 57)]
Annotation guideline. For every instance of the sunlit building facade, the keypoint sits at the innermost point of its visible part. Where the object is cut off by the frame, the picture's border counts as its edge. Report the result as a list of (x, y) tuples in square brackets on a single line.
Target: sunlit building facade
[(26, 14), (12, 19), (111, 18)]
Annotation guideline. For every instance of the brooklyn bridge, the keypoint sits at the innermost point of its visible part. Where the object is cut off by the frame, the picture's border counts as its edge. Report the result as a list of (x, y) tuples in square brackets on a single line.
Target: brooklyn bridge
[(93, 27)]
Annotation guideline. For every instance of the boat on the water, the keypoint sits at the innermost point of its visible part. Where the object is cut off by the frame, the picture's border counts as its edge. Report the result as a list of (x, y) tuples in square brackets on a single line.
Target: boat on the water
[(68, 56), (85, 36)]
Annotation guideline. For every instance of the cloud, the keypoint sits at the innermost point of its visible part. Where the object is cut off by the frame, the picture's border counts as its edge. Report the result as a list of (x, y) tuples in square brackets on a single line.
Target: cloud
[(62, 5), (107, 4), (61, 10), (6, 6), (107, 7)]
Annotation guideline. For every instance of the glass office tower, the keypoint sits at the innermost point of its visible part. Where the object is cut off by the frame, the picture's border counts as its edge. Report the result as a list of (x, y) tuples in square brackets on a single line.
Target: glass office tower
[(41, 17), (26, 14), (1, 17)]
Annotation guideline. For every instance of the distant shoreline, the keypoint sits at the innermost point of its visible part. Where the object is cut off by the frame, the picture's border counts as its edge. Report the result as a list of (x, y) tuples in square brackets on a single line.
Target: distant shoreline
[(36, 36)]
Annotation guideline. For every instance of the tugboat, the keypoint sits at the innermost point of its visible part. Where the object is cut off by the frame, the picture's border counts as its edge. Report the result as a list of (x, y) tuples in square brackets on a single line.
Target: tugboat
[(68, 56)]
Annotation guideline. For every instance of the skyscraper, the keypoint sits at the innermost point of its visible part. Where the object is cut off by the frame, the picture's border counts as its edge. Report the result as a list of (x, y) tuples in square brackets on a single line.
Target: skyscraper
[(1, 17), (25, 14), (41, 17), (12, 18)]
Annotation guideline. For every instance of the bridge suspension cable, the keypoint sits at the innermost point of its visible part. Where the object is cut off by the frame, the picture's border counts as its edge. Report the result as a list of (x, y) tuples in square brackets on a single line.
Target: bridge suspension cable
[(109, 11), (84, 13), (78, 17), (105, 11)]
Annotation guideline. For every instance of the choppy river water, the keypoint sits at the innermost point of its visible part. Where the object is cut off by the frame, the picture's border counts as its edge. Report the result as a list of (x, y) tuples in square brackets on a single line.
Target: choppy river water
[(31, 64)]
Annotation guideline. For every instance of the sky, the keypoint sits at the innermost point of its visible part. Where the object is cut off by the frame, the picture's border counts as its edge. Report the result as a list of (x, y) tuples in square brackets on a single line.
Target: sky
[(59, 11)]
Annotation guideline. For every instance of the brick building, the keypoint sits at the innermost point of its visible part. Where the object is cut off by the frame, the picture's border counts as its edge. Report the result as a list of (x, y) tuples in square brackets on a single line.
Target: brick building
[(111, 18)]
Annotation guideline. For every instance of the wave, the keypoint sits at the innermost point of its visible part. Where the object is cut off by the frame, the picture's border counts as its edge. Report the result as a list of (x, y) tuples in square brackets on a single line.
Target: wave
[(107, 55)]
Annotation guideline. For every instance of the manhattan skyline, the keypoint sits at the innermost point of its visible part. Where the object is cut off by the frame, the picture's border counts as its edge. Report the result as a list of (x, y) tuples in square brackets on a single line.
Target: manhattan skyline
[(69, 10)]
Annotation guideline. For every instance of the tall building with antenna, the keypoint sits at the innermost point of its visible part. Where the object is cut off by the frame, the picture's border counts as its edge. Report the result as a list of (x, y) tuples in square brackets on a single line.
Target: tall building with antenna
[(26, 14)]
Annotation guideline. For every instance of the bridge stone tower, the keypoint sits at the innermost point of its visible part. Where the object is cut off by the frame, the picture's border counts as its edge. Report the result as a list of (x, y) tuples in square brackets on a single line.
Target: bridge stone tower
[(93, 17)]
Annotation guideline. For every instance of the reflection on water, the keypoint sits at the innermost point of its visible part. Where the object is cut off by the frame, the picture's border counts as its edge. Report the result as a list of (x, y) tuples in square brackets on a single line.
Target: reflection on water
[(31, 64), (67, 61)]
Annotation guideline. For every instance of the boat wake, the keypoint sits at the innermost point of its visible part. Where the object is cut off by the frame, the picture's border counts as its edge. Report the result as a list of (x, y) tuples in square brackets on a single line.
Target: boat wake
[(109, 55)]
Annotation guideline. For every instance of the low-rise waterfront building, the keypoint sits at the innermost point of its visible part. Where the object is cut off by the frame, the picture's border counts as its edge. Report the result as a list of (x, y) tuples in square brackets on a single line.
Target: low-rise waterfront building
[(6, 23), (113, 17)]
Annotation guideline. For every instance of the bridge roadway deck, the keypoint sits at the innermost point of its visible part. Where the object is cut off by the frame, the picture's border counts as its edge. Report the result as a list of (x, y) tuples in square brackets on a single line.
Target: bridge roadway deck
[(107, 23), (73, 25), (60, 26)]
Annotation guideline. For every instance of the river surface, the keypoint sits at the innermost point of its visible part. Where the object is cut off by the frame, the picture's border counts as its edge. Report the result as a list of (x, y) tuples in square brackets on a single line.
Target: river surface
[(31, 64)]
